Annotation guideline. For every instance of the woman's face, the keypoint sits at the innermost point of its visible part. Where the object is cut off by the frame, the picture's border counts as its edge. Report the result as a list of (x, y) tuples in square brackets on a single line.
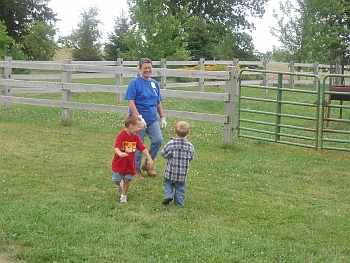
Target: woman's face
[(146, 70)]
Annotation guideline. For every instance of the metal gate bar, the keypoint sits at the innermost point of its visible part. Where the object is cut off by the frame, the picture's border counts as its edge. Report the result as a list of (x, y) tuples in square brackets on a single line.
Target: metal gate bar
[(276, 127), (338, 136)]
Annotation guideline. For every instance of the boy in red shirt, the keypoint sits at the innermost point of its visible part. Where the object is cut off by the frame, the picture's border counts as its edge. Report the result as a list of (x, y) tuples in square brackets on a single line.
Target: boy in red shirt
[(123, 163)]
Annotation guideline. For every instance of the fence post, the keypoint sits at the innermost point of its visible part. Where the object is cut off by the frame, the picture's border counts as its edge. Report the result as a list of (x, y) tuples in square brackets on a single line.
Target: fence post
[(231, 89), (236, 63), (265, 80), (66, 77), (7, 88), (65, 97), (119, 77), (316, 69), (291, 79), (163, 76), (201, 80)]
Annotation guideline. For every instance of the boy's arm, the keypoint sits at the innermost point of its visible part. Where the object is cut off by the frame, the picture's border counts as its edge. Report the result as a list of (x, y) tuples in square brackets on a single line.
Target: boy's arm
[(166, 153), (118, 152), (150, 162), (192, 155)]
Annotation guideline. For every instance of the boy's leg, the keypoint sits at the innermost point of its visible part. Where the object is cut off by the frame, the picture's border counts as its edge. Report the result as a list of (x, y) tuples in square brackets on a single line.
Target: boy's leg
[(119, 187), (117, 179), (180, 191), (118, 183), (126, 186), (168, 190), (127, 179)]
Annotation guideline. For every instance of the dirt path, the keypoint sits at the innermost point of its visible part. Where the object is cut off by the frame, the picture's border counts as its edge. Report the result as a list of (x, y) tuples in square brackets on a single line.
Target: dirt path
[(5, 258)]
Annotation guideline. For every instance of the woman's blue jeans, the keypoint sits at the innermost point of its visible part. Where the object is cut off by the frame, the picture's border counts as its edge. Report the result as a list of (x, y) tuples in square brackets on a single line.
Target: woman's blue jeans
[(155, 136)]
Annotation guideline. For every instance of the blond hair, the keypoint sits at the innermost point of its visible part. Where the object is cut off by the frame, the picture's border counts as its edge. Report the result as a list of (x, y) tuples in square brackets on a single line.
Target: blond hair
[(131, 119), (182, 129)]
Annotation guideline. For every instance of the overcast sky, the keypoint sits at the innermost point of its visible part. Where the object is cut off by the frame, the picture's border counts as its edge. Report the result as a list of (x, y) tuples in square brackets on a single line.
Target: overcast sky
[(69, 12)]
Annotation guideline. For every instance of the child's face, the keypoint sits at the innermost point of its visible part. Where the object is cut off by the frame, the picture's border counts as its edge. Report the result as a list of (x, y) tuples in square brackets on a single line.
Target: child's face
[(133, 129)]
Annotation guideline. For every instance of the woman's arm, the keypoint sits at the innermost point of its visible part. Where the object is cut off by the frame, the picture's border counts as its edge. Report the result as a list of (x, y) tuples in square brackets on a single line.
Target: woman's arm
[(133, 107), (160, 110)]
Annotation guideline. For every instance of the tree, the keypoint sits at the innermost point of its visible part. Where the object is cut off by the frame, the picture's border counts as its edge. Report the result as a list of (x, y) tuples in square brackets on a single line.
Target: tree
[(236, 45), (244, 47), (85, 40), (313, 28), (116, 39), (155, 33), (224, 15), (196, 26), (346, 37), (5, 40), (18, 14), (225, 49), (17, 54), (280, 54), (39, 44), (201, 44)]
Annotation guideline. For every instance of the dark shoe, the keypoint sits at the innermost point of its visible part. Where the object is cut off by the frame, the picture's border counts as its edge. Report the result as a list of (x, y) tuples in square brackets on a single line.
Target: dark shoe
[(150, 173), (166, 201)]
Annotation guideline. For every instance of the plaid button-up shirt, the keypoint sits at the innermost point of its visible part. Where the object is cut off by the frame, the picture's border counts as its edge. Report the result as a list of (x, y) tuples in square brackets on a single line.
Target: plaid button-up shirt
[(179, 152)]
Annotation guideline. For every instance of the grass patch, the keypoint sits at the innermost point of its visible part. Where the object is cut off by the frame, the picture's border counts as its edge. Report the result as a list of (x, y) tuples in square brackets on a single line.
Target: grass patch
[(253, 202)]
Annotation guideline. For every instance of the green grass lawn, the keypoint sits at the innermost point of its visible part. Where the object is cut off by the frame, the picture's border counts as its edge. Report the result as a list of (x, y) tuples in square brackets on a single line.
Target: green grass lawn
[(253, 202)]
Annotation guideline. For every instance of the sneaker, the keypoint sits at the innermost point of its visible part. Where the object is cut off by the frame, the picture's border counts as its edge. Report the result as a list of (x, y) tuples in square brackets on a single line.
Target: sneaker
[(139, 175), (123, 199), (150, 173), (166, 201), (120, 188)]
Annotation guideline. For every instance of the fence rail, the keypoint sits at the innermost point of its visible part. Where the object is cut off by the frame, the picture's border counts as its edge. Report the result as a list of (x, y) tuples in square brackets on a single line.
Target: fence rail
[(66, 70), (122, 69), (17, 84)]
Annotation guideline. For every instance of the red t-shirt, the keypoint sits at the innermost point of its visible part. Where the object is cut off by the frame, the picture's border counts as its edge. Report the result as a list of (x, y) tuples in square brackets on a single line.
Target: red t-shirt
[(126, 143)]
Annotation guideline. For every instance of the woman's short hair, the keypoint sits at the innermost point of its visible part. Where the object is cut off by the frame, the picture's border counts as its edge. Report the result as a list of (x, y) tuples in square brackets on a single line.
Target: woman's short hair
[(144, 60)]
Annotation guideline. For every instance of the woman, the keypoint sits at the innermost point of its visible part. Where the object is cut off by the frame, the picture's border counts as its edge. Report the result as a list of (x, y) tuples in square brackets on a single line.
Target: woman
[(145, 101)]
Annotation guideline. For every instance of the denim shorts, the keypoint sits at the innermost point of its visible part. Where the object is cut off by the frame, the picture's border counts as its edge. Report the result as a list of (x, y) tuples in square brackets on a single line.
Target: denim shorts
[(118, 177)]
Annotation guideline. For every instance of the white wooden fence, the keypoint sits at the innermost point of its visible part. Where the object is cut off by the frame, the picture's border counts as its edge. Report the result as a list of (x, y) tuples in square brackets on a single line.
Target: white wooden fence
[(37, 83), (24, 84)]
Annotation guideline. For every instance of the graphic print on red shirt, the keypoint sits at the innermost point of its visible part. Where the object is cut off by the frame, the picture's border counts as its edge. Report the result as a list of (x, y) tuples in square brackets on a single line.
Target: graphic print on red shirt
[(128, 144)]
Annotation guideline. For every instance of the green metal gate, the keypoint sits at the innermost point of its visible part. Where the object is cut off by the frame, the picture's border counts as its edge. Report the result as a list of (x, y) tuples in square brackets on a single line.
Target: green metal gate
[(335, 131), (305, 116), (278, 113)]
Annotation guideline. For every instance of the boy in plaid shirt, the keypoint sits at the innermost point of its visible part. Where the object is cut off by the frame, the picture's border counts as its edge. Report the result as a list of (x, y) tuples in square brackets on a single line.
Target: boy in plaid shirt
[(179, 152)]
